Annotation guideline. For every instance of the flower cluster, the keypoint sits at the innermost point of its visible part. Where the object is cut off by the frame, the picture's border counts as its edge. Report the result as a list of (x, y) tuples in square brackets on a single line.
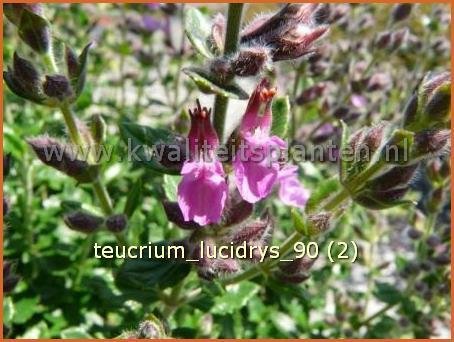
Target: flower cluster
[(203, 190)]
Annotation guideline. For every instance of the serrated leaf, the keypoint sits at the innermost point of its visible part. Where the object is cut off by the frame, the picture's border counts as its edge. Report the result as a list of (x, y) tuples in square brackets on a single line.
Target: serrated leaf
[(142, 144), (208, 84), (235, 297), (198, 30), (171, 187), (281, 116)]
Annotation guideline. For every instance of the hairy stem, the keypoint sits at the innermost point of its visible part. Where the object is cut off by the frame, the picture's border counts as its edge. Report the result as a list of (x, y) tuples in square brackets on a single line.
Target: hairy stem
[(230, 46), (74, 134), (287, 246)]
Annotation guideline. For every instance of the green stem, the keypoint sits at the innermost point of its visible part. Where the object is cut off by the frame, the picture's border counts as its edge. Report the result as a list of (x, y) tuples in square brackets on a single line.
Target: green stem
[(288, 244), (71, 124), (377, 314), (230, 46)]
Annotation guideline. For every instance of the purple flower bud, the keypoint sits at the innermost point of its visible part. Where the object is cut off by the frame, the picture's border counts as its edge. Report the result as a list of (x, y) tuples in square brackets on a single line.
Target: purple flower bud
[(318, 223), (293, 278), (430, 143), (58, 87), (24, 80), (401, 12), (398, 176), (298, 265), (312, 93), (218, 32), (236, 210), (33, 28), (83, 222), (433, 241), (173, 153), (116, 223), (6, 164), (290, 33), (6, 206), (175, 215), (222, 69), (383, 40), (414, 234), (250, 61), (52, 153), (379, 81), (255, 231), (442, 259), (151, 328), (399, 38), (10, 279)]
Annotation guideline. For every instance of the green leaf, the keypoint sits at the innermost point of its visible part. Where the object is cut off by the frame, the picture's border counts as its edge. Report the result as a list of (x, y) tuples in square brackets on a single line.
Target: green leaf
[(281, 116), (208, 84), (151, 273), (235, 297), (8, 310), (323, 190), (171, 187), (134, 198), (142, 145), (75, 332), (387, 293), (198, 30), (25, 309)]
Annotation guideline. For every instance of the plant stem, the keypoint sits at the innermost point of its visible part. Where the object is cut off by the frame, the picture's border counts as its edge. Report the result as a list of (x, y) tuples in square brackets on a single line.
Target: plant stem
[(98, 188), (377, 314), (230, 46), (288, 244)]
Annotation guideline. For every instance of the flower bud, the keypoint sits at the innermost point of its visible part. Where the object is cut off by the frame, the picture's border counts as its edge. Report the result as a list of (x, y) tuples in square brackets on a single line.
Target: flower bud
[(414, 234), (77, 68), (221, 68), (33, 28), (298, 265), (151, 328), (6, 206), (98, 128), (250, 61), (430, 107), (310, 94), (383, 40), (52, 153), (10, 279), (401, 12), (174, 215), (251, 232), (24, 80), (290, 33), (430, 143), (236, 210), (218, 32), (398, 39), (83, 222), (6, 164), (357, 154), (173, 154), (58, 88), (116, 223)]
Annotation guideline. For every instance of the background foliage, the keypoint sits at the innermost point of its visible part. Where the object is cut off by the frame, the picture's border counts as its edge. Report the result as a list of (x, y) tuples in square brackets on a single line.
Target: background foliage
[(396, 288)]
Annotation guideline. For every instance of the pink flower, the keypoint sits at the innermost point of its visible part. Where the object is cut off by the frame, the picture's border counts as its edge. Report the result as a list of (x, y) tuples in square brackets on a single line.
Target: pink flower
[(202, 192), (291, 192), (256, 165)]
